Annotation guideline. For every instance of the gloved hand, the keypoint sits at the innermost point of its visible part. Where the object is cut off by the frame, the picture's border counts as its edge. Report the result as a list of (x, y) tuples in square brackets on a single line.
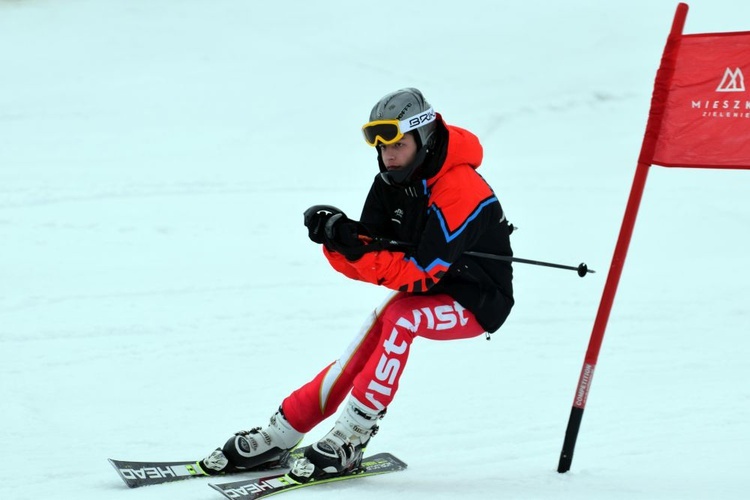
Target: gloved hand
[(315, 221), (349, 238)]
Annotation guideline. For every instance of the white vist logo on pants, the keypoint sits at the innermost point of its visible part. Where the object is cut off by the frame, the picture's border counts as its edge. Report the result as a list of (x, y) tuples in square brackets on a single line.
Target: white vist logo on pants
[(443, 317)]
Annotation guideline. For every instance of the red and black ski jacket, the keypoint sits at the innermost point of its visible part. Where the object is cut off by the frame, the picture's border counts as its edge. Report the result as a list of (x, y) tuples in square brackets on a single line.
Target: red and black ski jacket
[(448, 210)]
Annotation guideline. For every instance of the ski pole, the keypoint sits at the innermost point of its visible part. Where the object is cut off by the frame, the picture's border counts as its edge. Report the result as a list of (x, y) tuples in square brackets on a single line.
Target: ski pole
[(581, 268)]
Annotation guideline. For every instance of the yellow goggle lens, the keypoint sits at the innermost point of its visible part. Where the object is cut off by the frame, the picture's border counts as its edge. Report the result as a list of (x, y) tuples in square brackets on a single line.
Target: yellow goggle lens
[(382, 131)]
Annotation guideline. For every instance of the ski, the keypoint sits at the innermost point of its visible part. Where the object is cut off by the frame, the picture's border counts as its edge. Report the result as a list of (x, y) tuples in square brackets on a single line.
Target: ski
[(249, 489), (137, 474)]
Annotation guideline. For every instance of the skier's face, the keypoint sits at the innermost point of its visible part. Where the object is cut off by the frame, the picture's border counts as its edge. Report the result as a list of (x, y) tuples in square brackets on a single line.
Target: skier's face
[(399, 154)]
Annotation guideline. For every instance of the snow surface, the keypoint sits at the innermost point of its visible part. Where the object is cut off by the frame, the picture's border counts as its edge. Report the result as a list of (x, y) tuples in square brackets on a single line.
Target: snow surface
[(158, 291)]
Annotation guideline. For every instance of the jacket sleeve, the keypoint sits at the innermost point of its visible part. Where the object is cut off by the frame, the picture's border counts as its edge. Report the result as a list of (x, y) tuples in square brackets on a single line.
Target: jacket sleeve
[(461, 206)]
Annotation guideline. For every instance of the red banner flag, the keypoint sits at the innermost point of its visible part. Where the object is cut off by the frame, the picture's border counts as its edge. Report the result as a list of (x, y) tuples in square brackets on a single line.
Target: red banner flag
[(702, 103)]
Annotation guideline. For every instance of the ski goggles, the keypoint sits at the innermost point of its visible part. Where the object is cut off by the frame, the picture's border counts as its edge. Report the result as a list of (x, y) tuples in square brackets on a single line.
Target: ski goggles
[(391, 131)]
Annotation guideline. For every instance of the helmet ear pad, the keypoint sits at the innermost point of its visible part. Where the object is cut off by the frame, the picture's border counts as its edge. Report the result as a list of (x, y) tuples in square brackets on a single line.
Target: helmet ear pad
[(417, 138)]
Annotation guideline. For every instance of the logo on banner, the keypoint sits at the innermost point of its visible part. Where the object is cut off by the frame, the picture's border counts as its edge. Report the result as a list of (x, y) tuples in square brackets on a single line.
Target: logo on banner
[(733, 81), (727, 106)]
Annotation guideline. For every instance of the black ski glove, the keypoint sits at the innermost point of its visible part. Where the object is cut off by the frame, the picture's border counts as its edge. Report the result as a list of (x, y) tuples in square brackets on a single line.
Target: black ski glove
[(315, 221), (349, 238)]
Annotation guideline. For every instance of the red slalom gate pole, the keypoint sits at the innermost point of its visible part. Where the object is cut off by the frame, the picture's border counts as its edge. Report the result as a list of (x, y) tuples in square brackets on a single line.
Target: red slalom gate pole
[(600, 324), (661, 90)]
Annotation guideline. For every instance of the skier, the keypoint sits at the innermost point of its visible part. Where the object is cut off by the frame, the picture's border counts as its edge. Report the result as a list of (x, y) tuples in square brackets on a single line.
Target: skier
[(426, 207)]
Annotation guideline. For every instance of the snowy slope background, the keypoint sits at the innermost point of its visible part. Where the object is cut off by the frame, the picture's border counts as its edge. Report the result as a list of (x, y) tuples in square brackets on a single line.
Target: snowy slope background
[(158, 291)]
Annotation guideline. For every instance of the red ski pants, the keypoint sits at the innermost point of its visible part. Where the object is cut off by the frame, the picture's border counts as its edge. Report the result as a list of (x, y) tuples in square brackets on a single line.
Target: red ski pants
[(372, 365)]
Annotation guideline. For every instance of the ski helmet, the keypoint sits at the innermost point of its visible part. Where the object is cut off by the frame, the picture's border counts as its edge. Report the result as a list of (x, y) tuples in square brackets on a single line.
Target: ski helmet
[(407, 105), (403, 105)]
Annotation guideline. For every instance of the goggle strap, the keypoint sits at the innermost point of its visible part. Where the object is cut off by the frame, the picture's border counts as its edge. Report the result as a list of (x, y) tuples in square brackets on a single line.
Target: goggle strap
[(402, 127), (417, 121)]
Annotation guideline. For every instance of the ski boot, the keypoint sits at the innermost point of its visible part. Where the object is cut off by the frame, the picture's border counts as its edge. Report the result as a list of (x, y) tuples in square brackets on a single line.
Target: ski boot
[(341, 450), (258, 448)]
